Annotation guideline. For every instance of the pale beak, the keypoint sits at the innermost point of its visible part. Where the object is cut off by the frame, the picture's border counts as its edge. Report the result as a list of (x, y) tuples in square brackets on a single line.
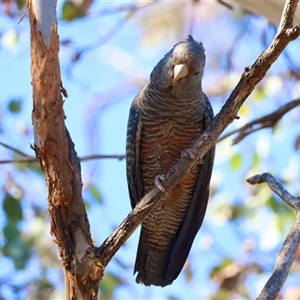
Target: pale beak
[(180, 71)]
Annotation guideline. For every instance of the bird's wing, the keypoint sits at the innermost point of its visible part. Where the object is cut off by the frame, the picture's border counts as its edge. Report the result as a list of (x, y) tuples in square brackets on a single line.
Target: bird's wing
[(193, 219), (195, 212), (133, 167)]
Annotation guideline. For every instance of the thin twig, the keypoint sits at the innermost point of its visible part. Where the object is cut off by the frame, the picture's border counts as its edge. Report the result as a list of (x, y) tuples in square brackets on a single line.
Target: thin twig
[(227, 5), (101, 156), (31, 159), (18, 161), (287, 254), (264, 122), (15, 150)]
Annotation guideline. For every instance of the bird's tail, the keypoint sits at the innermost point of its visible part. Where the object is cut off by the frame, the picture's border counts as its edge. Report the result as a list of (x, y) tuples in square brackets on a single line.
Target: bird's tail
[(152, 263)]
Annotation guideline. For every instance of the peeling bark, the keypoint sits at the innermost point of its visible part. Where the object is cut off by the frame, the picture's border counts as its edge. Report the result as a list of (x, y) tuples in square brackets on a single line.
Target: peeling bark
[(58, 158)]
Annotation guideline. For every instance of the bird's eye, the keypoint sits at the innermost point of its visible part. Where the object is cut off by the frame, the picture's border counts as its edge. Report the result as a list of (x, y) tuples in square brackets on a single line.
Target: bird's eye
[(197, 73)]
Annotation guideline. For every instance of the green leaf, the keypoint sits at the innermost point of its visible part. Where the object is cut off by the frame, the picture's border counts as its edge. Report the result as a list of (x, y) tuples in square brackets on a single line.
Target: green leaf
[(259, 94), (20, 4), (15, 105), (15, 247), (18, 251), (11, 231), (13, 209), (237, 211), (285, 214), (255, 161), (279, 207), (95, 193), (72, 10), (236, 161)]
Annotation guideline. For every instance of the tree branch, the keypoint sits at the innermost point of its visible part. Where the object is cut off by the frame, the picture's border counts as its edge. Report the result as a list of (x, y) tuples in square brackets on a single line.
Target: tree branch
[(32, 159), (264, 122), (227, 5), (57, 156), (286, 256), (249, 79), (15, 150)]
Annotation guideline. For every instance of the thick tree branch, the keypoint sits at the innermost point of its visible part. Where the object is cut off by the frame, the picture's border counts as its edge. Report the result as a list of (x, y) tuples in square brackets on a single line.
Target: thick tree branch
[(267, 121), (286, 256), (56, 153), (249, 79)]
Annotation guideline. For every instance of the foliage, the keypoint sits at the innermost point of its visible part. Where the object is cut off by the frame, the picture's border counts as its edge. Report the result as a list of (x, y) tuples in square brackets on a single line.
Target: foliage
[(107, 52)]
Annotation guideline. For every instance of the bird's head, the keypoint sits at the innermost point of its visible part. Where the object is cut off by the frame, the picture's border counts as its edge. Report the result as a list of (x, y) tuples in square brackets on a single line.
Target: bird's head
[(182, 68)]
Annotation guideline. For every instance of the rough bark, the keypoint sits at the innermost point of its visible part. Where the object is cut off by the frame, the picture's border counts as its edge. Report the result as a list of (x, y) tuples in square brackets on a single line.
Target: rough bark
[(58, 159)]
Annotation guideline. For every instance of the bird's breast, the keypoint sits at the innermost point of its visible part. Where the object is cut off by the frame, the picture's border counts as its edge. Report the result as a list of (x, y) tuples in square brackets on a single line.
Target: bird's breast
[(162, 142)]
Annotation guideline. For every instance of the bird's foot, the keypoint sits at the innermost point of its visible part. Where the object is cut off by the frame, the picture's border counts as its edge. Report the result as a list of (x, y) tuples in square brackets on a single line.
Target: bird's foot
[(187, 153), (158, 182)]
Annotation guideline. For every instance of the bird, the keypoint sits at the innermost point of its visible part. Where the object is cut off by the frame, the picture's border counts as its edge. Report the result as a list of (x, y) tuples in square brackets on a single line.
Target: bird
[(165, 119)]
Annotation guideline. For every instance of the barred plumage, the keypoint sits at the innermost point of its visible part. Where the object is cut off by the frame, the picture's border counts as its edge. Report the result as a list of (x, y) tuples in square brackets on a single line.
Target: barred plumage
[(168, 115)]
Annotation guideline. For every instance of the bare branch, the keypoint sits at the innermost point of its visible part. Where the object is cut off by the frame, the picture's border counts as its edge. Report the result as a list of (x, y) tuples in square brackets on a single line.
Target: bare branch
[(227, 5), (277, 188), (286, 256), (249, 79), (15, 150), (17, 161), (264, 122), (102, 156), (31, 159)]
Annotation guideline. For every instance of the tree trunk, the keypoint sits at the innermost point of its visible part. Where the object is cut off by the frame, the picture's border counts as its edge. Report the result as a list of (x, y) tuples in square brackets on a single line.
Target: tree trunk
[(58, 158)]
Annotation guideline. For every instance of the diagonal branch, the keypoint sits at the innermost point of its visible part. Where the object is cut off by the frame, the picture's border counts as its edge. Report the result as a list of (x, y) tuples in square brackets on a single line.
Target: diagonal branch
[(267, 121), (286, 256), (15, 150), (249, 79)]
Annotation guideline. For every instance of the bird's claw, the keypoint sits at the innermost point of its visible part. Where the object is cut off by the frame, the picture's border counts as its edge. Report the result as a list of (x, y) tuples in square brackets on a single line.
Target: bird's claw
[(158, 182), (187, 153)]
